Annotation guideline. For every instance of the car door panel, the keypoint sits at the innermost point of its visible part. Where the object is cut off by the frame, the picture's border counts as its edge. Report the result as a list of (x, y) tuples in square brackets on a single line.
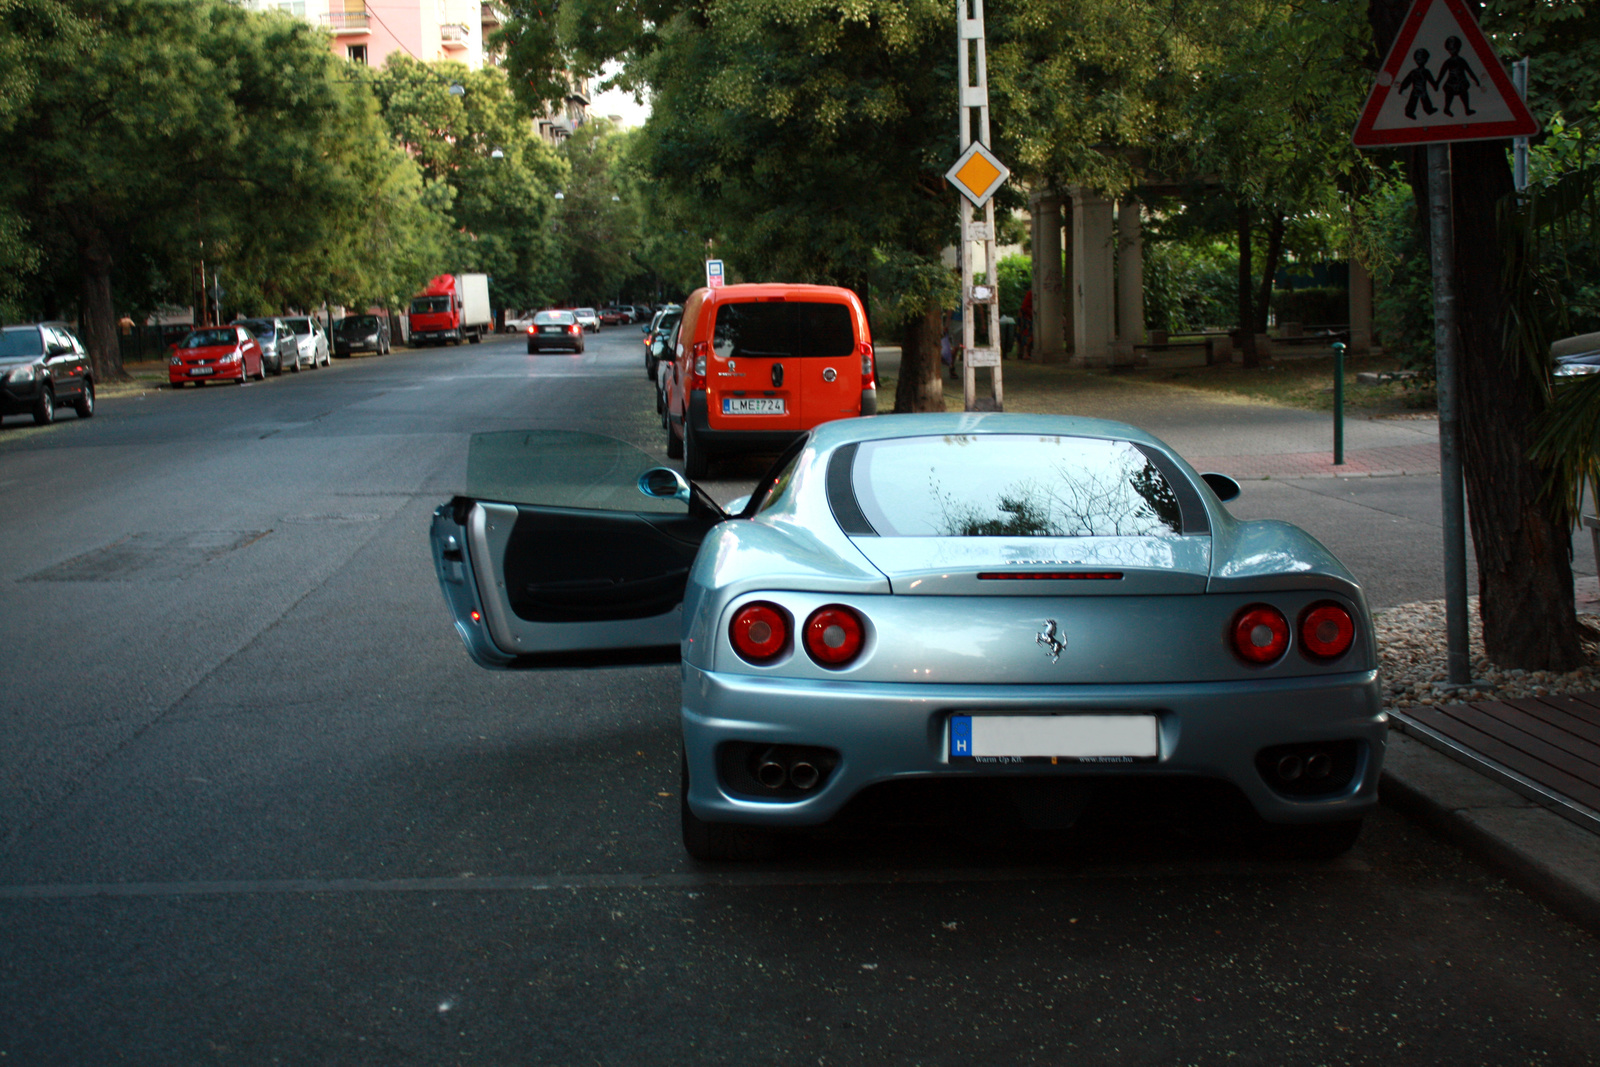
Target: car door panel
[(560, 558)]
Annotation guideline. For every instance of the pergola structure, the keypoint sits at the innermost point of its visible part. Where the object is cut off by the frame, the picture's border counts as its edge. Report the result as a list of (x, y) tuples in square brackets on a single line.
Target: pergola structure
[(1088, 307)]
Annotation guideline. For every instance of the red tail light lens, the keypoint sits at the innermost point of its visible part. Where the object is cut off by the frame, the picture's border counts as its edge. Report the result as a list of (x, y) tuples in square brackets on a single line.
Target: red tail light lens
[(530, 328), (833, 635), (698, 355), (1260, 633), (1327, 631), (574, 328), (760, 632), (868, 373)]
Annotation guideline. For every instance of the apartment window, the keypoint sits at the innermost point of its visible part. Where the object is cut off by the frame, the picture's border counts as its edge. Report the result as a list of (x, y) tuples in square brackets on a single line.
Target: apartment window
[(357, 53), (297, 8)]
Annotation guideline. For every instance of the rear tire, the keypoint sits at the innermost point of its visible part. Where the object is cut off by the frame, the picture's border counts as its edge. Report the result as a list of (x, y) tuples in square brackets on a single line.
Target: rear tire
[(713, 842), (44, 406), (674, 443), (84, 405), (695, 461)]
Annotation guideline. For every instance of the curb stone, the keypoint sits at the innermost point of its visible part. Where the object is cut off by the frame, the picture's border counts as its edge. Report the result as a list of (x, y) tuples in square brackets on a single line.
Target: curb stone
[(1540, 851)]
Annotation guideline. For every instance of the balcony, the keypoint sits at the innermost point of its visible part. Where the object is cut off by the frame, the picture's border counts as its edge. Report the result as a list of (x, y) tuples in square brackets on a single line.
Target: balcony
[(453, 35), (346, 22)]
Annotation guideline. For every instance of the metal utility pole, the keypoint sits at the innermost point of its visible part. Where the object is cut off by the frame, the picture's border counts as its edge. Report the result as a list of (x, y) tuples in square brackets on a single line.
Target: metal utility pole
[(977, 174), (1453, 494)]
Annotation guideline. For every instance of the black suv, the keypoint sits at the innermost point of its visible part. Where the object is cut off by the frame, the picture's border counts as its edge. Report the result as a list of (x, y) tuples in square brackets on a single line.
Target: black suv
[(41, 365)]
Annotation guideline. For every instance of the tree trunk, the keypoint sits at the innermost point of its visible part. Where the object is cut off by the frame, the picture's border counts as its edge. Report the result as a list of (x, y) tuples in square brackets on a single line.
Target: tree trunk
[(1269, 270), (1521, 540), (1247, 317), (99, 313), (921, 383)]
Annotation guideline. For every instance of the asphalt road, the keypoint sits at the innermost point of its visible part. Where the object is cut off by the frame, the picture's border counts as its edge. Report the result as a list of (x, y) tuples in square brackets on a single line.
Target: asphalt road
[(257, 806)]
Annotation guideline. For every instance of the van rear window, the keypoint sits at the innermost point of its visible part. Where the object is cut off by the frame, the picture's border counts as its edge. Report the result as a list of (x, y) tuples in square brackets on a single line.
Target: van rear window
[(783, 330)]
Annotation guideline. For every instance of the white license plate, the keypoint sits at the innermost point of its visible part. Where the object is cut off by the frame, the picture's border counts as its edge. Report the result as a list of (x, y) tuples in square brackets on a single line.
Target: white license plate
[(1028, 738), (741, 405), (202, 370), (551, 329)]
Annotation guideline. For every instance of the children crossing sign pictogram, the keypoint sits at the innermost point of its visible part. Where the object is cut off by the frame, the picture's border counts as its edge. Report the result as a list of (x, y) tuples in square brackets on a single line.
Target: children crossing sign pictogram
[(1441, 82)]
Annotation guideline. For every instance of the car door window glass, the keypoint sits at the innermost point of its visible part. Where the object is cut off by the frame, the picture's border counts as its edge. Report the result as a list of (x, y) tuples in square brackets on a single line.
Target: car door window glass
[(1013, 485), (563, 469), (754, 330), (826, 330)]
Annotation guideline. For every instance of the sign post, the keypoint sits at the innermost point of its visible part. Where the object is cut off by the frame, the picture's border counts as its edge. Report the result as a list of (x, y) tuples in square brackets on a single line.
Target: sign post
[(1442, 82), (977, 174)]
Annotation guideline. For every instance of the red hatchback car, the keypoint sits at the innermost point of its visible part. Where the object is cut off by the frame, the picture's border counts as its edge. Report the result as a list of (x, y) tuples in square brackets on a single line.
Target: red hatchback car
[(211, 352)]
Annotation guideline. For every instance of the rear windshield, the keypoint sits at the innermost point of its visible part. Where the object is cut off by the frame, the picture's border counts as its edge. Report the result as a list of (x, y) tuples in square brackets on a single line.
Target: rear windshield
[(554, 318), (787, 329), (1012, 485), (425, 305), (211, 338), (20, 341)]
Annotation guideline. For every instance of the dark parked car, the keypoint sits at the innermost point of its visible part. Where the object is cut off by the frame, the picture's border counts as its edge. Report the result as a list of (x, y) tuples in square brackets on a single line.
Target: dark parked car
[(658, 329), (42, 365), (361, 333), (277, 341), (555, 329)]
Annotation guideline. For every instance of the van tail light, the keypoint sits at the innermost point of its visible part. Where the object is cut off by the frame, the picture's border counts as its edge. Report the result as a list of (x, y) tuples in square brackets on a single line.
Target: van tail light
[(1260, 633), (869, 377), (1326, 631), (834, 635), (697, 378), (759, 632)]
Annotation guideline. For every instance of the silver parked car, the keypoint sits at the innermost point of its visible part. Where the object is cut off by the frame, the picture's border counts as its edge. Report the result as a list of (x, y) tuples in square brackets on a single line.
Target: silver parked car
[(1052, 609), (313, 340), (279, 345)]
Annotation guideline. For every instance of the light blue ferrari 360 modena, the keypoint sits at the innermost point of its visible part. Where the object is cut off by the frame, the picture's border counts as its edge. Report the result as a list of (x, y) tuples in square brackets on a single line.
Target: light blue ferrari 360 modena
[(1039, 605)]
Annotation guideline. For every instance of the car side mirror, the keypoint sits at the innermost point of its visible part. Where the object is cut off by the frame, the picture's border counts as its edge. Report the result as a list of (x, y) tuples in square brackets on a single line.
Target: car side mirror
[(658, 348), (645, 328), (1225, 487), (664, 483)]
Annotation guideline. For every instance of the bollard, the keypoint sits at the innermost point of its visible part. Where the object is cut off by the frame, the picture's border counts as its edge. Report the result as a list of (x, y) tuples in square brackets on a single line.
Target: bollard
[(1338, 403)]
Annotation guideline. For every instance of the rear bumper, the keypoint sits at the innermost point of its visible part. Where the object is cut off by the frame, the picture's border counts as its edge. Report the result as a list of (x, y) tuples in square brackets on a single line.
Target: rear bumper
[(723, 442), (893, 731)]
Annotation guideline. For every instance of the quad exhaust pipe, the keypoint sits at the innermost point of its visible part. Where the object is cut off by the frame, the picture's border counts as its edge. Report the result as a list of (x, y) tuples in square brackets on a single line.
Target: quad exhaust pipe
[(774, 771)]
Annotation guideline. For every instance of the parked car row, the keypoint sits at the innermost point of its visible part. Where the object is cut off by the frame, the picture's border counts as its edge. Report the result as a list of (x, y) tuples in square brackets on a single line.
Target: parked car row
[(43, 365)]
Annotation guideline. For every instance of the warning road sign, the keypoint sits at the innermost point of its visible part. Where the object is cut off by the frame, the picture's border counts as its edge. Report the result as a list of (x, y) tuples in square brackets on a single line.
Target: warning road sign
[(1441, 82)]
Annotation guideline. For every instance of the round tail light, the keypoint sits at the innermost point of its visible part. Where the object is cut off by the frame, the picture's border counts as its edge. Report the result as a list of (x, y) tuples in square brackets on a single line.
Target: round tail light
[(833, 635), (1327, 631), (759, 632), (1260, 633)]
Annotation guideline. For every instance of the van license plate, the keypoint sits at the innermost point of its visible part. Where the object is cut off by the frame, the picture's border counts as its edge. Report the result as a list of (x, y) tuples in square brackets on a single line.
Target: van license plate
[(747, 405)]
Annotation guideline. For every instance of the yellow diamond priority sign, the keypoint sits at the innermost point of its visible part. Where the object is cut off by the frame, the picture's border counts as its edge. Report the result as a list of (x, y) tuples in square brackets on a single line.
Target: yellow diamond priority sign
[(978, 174)]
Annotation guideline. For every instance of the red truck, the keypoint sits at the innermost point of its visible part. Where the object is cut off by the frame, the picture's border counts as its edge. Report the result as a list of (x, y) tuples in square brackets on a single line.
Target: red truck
[(454, 307)]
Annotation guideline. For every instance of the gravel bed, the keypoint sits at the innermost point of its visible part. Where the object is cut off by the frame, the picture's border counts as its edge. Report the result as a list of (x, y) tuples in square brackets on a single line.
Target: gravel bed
[(1412, 651)]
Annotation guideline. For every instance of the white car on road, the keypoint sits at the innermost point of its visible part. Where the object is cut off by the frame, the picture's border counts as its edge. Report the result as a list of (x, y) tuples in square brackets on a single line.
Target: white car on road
[(588, 318), (312, 338)]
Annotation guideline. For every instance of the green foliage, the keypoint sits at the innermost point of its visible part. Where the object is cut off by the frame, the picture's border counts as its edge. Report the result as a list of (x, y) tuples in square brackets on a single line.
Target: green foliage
[(1188, 285), (1016, 278), (1396, 252)]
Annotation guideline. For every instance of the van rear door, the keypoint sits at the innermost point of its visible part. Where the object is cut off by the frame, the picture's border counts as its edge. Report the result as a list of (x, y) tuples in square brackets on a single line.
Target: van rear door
[(752, 377), (829, 372)]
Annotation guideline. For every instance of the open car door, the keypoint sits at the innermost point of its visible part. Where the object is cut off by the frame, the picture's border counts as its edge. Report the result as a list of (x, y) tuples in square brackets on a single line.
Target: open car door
[(568, 549)]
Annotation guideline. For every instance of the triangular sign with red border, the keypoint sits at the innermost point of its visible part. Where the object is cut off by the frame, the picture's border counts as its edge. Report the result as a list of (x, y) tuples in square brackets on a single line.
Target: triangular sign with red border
[(1441, 82)]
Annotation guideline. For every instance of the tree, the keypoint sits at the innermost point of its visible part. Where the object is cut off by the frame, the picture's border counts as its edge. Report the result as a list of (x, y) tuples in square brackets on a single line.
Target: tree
[(1520, 534), (598, 228), (482, 168)]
